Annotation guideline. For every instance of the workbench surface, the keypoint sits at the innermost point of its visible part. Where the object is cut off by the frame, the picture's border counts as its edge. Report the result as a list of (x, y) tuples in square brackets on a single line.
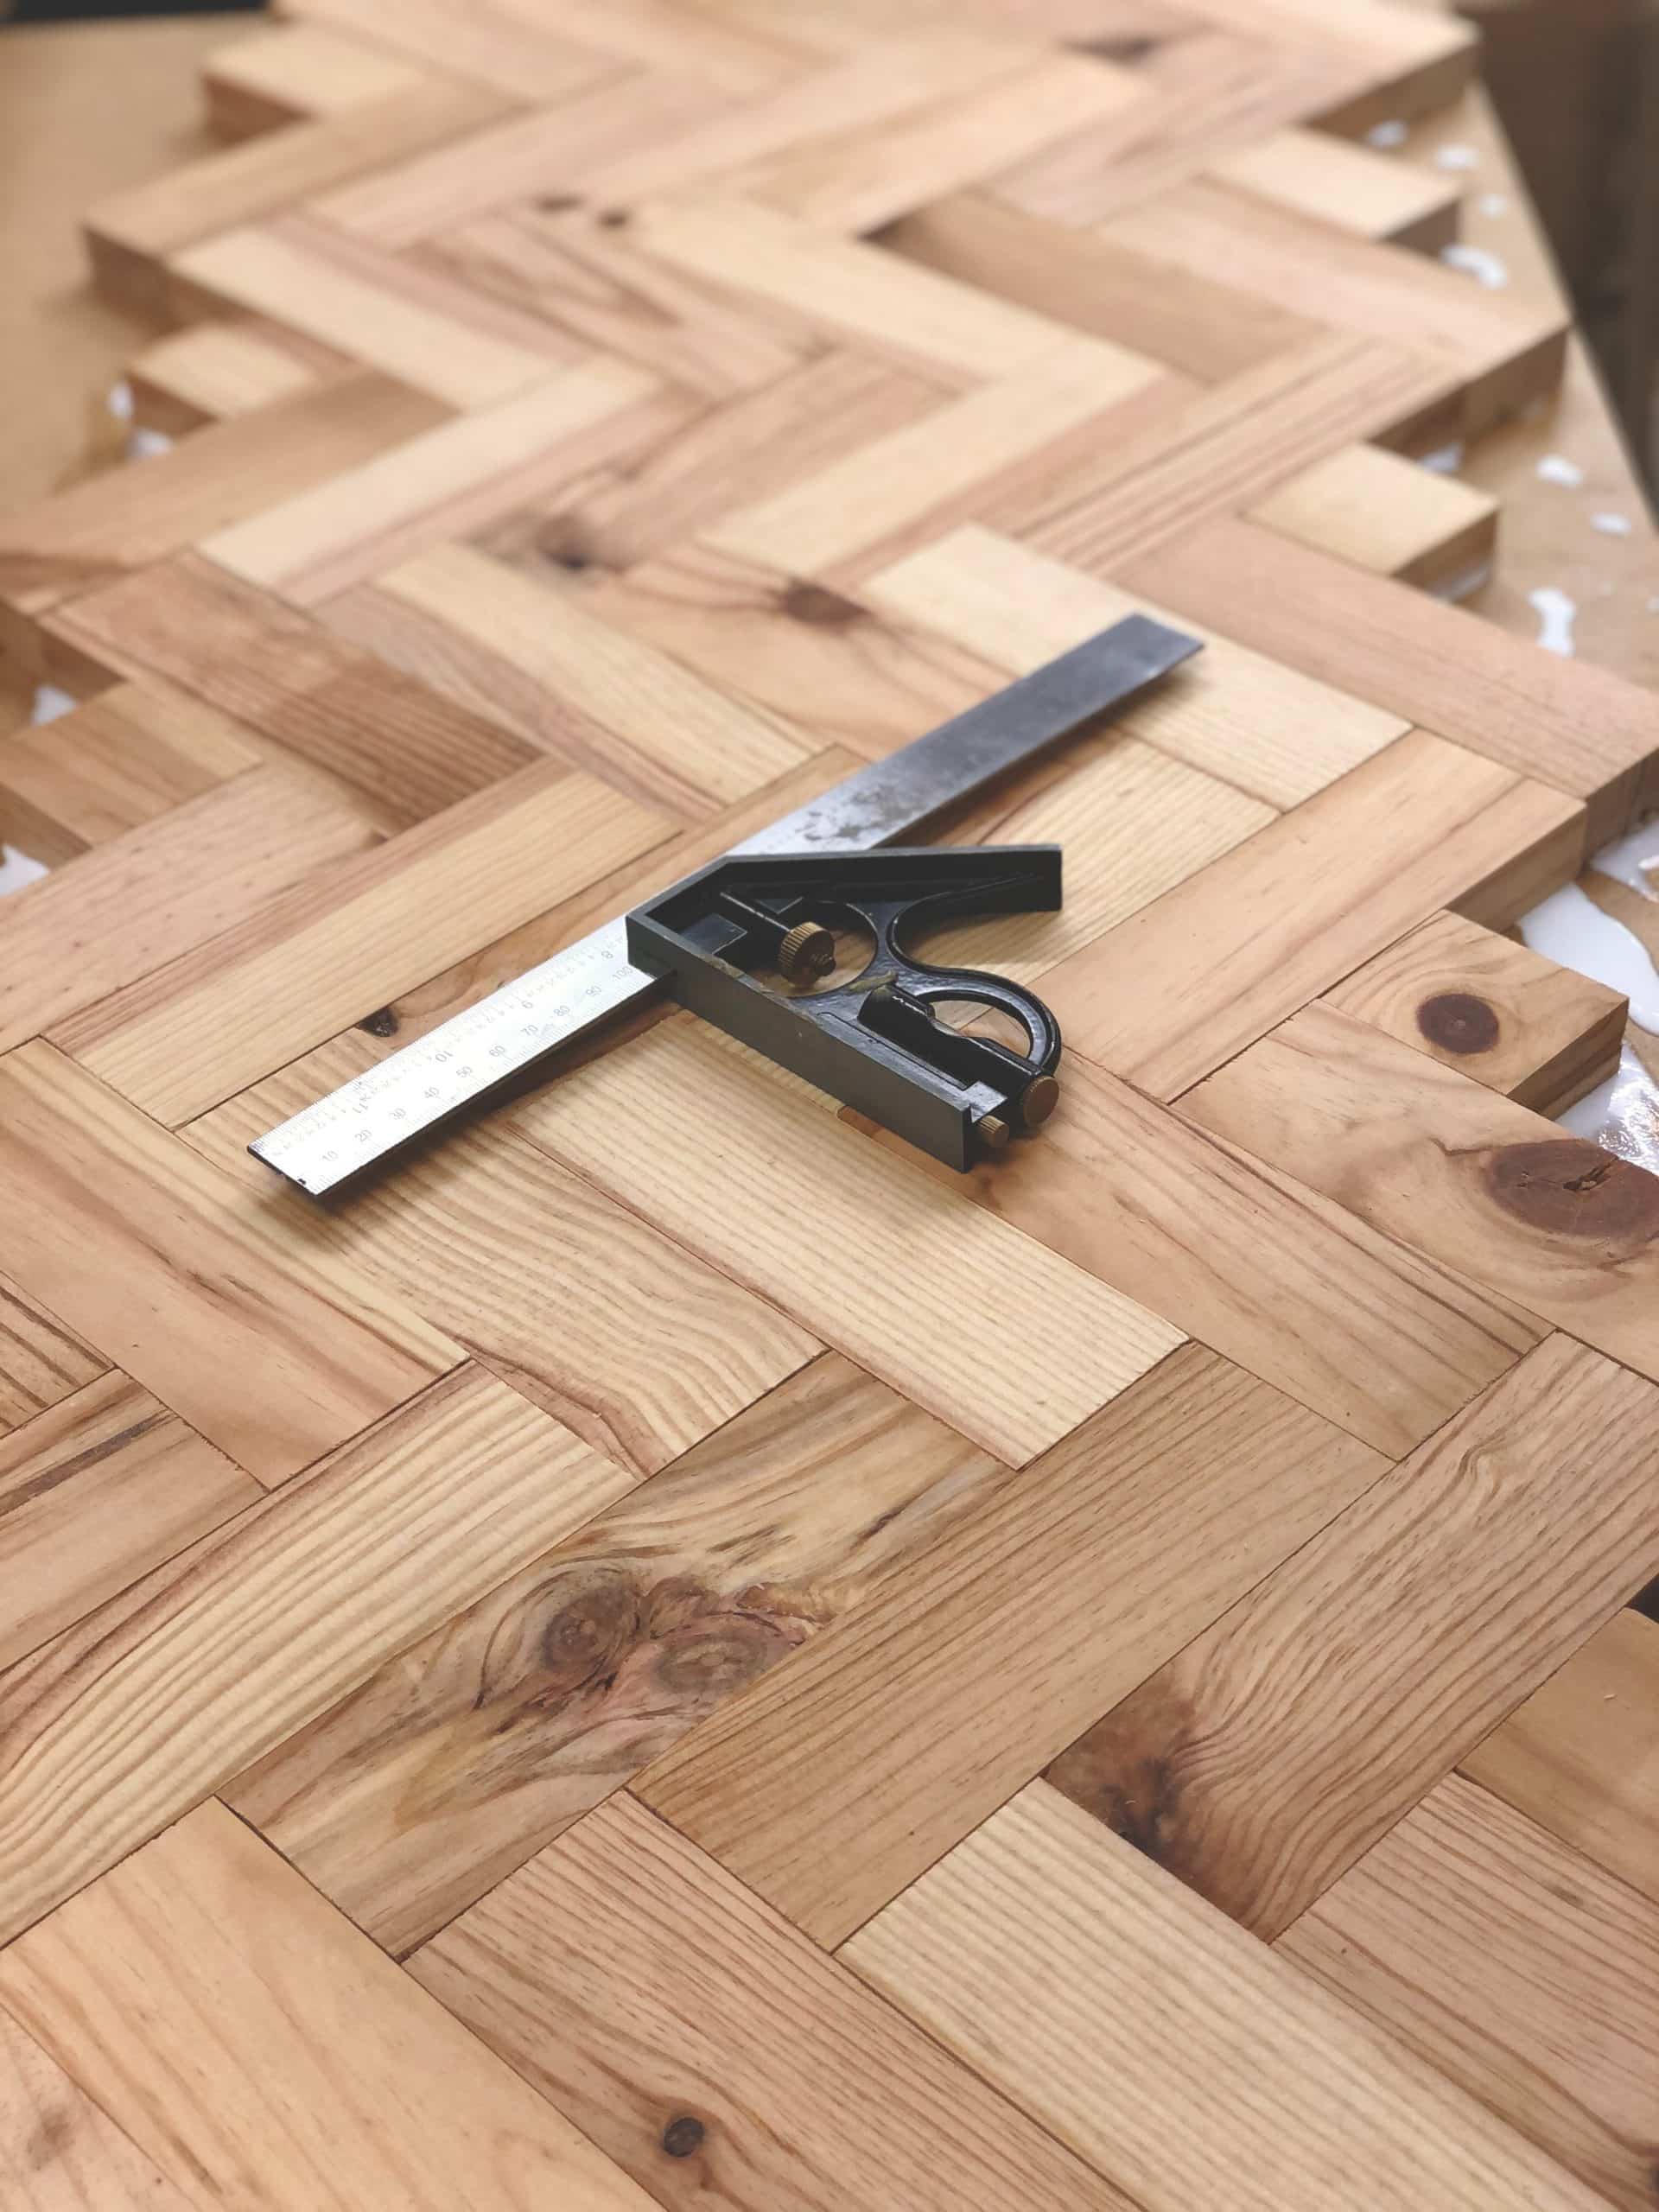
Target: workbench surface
[(672, 1649)]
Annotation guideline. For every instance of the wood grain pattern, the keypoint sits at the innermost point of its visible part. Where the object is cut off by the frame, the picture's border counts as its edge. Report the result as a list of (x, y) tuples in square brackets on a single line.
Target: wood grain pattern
[(1224, 446), (154, 894), (1562, 722), (1318, 174), (407, 321), (581, 273), (41, 1363), (598, 427), (124, 757), (125, 1721), (1425, 1154), (1236, 715), (334, 949), (138, 1242), (403, 749), (816, 1792), (959, 1312), (650, 2029), (1501, 351), (677, 726), (749, 448), (59, 2151), (518, 54), (98, 532), (652, 1351), (1200, 325), (453, 1764), (852, 674), (1386, 514), (1580, 1757), (93, 1493), (1280, 1745), (853, 290), (231, 1953), (1366, 1332), (294, 72), (452, 481), (212, 370), (551, 151), (1515, 1967), (131, 237), (1512, 1019), (1172, 2050), (1195, 976)]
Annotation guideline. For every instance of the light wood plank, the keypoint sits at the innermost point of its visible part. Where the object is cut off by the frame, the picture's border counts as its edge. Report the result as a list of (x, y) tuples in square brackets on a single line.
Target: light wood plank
[(95, 1493), (462, 1756), (661, 713), (59, 2152), (100, 529), (1133, 822), (976, 1323), (855, 290), (41, 1363), (294, 72), (114, 763), (133, 235), (515, 52), (1580, 1757), (1200, 325), (1383, 512), (981, 445), (1206, 91), (850, 673), (1273, 1751), (1188, 980), (283, 2059), (748, 449), (624, 1974), (1553, 1223), (1580, 728), (1222, 448), (550, 153), (897, 76), (446, 483), (1481, 1003), (584, 275), (129, 1719), (409, 323), (884, 167), (1515, 1968), (222, 1135), (212, 370), (652, 1351), (331, 951), (1316, 173), (1249, 721), (837, 1780), (406, 753), (1171, 2049), (1366, 1332), (156, 894), (1501, 350), (141, 1244)]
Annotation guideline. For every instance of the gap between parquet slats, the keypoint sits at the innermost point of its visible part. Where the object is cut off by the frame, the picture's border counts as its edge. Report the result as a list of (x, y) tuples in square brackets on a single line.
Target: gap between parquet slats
[(923, 348)]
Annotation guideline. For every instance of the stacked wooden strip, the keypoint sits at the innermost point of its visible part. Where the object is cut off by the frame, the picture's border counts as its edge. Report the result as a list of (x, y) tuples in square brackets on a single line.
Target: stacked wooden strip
[(673, 1651)]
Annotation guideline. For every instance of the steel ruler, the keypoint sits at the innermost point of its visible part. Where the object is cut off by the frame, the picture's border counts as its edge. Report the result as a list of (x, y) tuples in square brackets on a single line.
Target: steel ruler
[(504, 1040)]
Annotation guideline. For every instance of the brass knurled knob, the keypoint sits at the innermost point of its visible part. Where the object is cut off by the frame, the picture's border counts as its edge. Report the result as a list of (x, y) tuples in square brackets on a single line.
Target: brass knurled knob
[(807, 953)]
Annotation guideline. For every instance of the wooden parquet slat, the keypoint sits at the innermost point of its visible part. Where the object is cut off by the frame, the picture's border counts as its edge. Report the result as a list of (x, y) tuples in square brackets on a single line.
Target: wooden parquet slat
[(671, 1649)]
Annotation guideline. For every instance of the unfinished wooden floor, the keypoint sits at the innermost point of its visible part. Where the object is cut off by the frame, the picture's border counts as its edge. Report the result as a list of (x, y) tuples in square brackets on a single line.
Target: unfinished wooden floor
[(673, 1651)]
